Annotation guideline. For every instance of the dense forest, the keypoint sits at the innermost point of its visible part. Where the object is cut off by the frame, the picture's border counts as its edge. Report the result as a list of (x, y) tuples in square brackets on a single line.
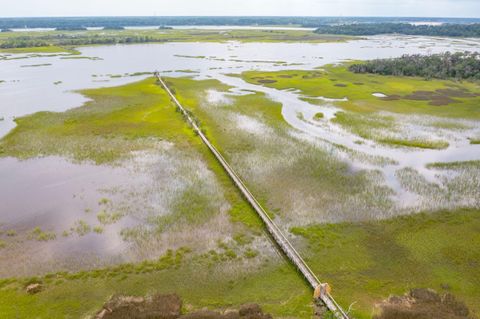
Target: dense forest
[(448, 30), (448, 65), (78, 22)]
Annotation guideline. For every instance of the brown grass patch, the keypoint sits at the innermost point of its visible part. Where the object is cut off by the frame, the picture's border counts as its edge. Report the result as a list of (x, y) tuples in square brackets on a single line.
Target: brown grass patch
[(393, 97), (169, 307), (266, 81), (422, 304), (438, 97)]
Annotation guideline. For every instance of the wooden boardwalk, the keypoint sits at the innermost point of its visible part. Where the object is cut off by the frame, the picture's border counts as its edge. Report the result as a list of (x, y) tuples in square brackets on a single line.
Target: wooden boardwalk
[(321, 290)]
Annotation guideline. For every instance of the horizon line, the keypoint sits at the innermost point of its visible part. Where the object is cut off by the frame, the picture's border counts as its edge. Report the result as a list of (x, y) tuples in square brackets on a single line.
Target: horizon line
[(237, 16)]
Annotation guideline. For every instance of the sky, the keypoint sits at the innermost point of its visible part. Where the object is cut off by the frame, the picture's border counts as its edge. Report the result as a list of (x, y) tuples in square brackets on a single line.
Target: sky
[(411, 8)]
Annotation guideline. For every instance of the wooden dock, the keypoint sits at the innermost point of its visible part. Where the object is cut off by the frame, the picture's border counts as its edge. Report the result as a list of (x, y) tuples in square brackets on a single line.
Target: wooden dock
[(321, 289)]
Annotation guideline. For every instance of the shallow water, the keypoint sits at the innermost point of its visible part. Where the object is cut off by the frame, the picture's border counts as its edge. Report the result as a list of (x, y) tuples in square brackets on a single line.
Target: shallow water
[(28, 90), (53, 193)]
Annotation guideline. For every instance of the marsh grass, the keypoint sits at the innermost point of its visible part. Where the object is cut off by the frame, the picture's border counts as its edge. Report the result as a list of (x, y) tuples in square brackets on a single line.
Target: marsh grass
[(450, 191), (455, 165), (324, 83), (303, 185), (449, 125), (366, 262), (369, 126), (117, 122), (274, 285), (61, 41), (11, 233), (400, 119), (136, 126), (40, 50), (416, 143), (107, 218), (318, 116), (294, 178), (38, 234), (81, 228)]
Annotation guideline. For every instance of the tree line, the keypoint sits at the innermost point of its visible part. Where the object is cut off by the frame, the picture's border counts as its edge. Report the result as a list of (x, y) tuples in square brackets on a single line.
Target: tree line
[(461, 65), (63, 40), (79, 22), (447, 30)]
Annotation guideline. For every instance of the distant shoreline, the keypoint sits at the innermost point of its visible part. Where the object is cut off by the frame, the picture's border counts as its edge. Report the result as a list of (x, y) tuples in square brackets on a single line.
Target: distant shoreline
[(312, 22)]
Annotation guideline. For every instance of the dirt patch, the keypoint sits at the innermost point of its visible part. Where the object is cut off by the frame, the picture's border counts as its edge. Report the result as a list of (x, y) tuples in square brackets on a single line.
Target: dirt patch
[(393, 97), (266, 81), (169, 307), (312, 75), (284, 76), (422, 303), (462, 92), (156, 306), (438, 97), (341, 85), (434, 97), (359, 83)]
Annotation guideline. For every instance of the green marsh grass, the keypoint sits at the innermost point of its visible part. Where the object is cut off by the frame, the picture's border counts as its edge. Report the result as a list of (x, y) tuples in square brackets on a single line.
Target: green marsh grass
[(38, 234), (383, 119), (274, 285), (366, 262), (61, 41), (284, 171), (455, 165), (324, 82), (416, 143), (135, 119)]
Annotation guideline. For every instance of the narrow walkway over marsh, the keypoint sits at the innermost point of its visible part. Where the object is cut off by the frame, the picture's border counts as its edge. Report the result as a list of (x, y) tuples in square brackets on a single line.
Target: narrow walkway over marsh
[(321, 289)]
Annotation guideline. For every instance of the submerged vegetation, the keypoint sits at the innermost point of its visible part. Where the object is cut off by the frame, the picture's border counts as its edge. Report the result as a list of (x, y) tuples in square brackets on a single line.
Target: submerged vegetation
[(225, 268)]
